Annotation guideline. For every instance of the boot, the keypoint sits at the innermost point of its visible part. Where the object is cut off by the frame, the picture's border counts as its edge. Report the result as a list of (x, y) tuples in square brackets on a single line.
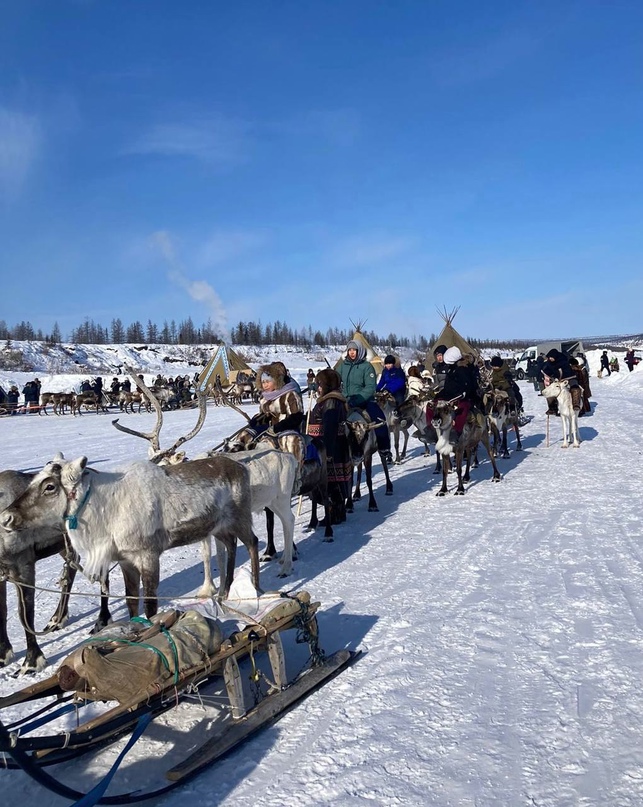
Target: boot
[(576, 393), (552, 404)]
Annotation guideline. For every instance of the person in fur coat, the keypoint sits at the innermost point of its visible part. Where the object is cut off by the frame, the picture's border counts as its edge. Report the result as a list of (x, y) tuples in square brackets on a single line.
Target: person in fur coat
[(327, 423), (280, 405)]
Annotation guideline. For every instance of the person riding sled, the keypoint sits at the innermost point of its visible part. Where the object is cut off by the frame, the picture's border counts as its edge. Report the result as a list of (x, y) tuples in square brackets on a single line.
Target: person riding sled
[(459, 384), (359, 385), (328, 423), (557, 368)]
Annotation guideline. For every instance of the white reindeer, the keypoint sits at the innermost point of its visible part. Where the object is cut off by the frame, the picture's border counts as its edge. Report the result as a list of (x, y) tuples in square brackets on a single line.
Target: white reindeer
[(135, 515), (568, 415)]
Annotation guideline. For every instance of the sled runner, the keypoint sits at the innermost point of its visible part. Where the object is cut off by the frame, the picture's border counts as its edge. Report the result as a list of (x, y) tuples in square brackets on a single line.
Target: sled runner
[(180, 673)]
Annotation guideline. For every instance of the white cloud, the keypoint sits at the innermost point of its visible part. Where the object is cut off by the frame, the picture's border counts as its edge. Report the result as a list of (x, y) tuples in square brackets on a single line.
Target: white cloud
[(219, 143)]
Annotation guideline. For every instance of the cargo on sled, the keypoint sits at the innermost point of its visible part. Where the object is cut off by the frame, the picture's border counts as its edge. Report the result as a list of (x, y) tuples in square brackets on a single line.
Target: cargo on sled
[(206, 677)]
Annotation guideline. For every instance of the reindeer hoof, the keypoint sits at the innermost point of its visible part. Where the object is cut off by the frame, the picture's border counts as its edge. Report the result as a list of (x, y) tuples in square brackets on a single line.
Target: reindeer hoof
[(55, 624), (459, 493), (441, 493), (266, 558), (6, 657), (31, 667), (328, 540), (374, 509), (284, 573)]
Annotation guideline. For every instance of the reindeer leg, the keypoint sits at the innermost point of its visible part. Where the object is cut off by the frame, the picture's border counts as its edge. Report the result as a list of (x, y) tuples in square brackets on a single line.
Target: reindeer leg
[(505, 448), (132, 578), (459, 491), (467, 474), (518, 441), (406, 443), (389, 484), (368, 467), (104, 615), (496, 473), (59, 617), (208, 589), (446, 464), (34, 657), (6, 650), (270, 550), (314, 521), (357, 494)]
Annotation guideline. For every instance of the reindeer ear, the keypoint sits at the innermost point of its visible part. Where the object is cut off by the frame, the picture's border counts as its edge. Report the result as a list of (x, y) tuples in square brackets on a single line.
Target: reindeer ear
[(72, 472)]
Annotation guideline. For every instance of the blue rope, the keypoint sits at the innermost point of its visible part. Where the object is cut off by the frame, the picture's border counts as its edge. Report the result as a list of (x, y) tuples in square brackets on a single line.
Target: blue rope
[(73, 519)]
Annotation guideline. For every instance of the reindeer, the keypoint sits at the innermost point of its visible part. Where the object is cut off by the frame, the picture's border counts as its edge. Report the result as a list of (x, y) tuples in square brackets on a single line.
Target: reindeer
[(19, 553), (568, 414), (313, 472), (363, 446), (134, 516), (475, 431), (89, 400), (170, 456), (501, 417), (411, 412)]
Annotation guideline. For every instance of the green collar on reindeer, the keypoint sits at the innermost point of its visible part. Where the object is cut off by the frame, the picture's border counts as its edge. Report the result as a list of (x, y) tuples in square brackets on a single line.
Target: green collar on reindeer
[(72, 520)]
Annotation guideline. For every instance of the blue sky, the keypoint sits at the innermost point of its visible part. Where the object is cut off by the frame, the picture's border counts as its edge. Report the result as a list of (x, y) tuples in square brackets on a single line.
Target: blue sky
[(322, 162)]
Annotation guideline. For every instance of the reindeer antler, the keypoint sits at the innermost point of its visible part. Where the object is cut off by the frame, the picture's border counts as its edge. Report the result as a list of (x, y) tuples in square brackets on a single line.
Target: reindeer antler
[(201, 397), (152, 437)]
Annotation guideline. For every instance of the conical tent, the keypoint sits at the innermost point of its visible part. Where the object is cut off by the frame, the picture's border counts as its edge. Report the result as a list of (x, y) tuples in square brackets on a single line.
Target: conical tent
[(450, 337), (371, 355), (226, 364)]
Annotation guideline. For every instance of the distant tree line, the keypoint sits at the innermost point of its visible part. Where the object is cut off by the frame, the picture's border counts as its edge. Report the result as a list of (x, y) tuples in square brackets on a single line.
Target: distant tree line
[(244, 333)]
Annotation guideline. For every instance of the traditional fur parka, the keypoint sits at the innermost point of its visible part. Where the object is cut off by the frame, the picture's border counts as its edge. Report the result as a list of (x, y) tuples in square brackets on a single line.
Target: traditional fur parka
[(281, 409), (328, 423), (414, 381)]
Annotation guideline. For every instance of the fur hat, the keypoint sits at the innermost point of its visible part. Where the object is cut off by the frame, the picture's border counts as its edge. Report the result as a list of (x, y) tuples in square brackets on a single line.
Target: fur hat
[(414, 372), (329, 380), (275, 371), (440, 349), (389, 359), (553, 354), (452, 355), (496, 361)]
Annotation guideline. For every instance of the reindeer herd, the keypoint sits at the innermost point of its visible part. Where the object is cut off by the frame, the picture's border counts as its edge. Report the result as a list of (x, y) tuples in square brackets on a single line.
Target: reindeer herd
[(131, 517)]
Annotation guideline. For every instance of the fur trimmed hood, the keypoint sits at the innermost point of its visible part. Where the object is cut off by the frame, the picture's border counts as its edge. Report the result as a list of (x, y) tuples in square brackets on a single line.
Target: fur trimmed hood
[(274, 370), (330, 380)]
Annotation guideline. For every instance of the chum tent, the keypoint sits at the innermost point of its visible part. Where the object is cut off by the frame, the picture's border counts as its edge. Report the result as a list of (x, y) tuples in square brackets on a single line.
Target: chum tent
[(226, 364), (371, 355), (450, 337)]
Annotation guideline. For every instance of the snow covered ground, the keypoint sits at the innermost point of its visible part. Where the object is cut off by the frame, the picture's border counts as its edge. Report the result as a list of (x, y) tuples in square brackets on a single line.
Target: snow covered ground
[(503, 630)]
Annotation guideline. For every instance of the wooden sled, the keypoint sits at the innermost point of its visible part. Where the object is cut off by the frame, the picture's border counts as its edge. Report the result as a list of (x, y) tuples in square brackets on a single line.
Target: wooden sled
[(44, 737)]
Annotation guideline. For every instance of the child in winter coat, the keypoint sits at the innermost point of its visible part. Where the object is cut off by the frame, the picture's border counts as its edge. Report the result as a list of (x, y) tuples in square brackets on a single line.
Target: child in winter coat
[(393, 380)]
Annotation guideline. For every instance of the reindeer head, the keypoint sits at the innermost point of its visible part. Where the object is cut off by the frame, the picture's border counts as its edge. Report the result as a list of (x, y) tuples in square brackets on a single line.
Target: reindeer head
[(46, 500), (443, 412)]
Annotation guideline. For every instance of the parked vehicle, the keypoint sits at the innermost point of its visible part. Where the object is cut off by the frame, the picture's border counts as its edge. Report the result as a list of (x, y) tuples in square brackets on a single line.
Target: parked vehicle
[(571, 347)]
